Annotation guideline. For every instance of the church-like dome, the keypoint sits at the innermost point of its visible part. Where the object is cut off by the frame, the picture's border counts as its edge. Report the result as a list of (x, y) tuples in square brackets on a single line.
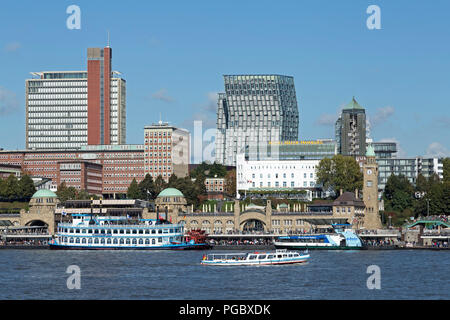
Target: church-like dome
[(44, 193), (170, 192)]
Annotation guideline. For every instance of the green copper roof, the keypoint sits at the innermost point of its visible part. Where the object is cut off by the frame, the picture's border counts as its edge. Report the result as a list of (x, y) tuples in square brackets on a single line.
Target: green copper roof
[(283, 205), (353, 105), (170, 192), (370, 152), (44, 193)]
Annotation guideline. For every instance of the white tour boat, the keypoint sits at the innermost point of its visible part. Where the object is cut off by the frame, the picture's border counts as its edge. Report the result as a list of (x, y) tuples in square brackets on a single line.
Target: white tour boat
[(277, 257), (90, 232)]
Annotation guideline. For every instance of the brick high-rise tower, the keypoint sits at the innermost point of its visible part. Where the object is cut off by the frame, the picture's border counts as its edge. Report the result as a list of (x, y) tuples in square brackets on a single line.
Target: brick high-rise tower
[(69, 109)]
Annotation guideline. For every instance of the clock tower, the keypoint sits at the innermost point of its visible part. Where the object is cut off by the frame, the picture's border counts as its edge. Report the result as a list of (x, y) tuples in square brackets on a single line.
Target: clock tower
[(370, 191)]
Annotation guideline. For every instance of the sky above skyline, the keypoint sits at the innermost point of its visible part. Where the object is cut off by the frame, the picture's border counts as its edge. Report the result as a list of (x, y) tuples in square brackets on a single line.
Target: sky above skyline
[(173, 55)]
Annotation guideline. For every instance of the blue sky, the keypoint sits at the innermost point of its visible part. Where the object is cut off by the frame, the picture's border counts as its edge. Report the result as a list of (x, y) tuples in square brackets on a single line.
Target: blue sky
[(173, 55)]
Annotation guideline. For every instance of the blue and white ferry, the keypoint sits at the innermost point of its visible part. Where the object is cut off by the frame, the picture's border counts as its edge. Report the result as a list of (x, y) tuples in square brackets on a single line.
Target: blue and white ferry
[(343, 238), (278, 257), (87, 231)]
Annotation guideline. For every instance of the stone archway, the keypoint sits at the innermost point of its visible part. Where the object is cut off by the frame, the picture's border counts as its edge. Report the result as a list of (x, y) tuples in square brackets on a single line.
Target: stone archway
[(256, 220), (253, 225), (36, 223)]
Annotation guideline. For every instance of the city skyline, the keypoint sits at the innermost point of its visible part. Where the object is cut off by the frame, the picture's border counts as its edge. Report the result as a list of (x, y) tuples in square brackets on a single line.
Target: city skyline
[(397, 73)]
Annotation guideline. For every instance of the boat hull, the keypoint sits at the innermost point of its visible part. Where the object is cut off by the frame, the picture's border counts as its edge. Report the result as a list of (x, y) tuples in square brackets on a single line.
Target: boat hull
[(312, 247), (166, 247), (257, 263)]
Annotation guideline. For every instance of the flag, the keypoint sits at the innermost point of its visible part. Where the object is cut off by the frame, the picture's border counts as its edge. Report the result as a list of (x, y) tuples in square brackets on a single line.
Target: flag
[(64, 213)]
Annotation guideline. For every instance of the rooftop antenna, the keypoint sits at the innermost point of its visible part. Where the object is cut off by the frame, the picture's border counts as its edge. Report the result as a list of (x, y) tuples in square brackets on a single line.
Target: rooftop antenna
[(160, 120), (108, 40)]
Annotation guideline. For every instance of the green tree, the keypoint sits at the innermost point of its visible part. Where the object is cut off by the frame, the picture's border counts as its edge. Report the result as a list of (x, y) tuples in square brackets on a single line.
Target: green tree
[(133, 191), (398, 193), (12, 189), (230, 183), (339, 172), (147, 188), (65, 193), (26, 188), (446, 168), (160, 185)]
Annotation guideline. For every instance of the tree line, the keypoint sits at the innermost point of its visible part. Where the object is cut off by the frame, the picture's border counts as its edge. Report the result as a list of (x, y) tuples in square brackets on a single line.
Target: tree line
[(14, 189)]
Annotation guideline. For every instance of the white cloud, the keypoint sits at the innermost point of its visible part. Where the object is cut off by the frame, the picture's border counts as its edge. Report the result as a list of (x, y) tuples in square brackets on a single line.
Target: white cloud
[(327, 119), (381, 115), (12, 46), (8, 102), (437, 150), (162, 95)]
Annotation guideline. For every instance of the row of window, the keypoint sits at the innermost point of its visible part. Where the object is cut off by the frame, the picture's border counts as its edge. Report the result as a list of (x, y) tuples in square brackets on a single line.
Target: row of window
[(277, 184), (117, 231), (134, 241)]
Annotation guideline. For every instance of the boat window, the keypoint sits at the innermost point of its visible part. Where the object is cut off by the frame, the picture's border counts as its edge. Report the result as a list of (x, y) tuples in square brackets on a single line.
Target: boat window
[(165, 230), (89, 230), (108, 241), (284, 255), (252, 257), (153, 241), (171, 230), (122, 241), (159, 231), (141, 241), (127, 231), (279, 256), (128, 241), (115, 241), (96, 240), (153, 231), (270, 256), (134, 231), (96, 231), (77, 240), (102, 240), (83, 231), (70, 240), (102, 231), (159, 239), (121, 231), (290, 255), (141, 231), (83, 240), (134, 241), (262, 257), (90, 240), (147, 241)]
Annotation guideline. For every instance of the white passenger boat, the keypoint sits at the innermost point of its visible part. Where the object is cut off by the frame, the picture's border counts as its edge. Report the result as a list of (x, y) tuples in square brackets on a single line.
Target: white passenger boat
[(277, 257), (89, 232)]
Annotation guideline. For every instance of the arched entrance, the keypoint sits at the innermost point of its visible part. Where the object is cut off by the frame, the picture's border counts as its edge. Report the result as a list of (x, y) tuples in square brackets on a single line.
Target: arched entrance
[(253, 225), (36, 223)]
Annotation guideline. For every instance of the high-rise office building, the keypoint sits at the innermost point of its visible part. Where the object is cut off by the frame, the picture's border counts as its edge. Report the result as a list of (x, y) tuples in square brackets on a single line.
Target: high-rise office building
[(254, 109), (68, 109), (166, 151), (350, 130)]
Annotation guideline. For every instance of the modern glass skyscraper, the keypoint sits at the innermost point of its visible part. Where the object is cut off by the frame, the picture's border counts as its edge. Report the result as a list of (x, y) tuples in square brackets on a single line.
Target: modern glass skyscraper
[(255, 109), (69, 109)]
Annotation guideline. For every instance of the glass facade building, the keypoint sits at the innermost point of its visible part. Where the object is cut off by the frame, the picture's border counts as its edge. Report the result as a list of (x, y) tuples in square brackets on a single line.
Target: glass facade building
[(408, 167), (254, 109), (293, 150)]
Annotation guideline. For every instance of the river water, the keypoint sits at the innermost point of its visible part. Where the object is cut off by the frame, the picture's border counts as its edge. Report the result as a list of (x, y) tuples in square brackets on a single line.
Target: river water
[(41, 274)]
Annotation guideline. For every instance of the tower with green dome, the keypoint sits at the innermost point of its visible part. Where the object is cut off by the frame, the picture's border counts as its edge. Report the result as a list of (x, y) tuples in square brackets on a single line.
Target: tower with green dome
[(370, 190)]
